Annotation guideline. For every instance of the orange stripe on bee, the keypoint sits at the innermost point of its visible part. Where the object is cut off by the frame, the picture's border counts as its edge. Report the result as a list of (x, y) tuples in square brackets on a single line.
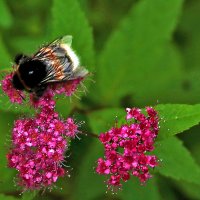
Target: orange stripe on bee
[(55, 63)]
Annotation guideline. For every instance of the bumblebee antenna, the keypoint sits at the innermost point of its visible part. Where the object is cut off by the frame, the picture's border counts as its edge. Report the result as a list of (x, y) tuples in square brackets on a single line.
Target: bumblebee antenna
[(21, 96)]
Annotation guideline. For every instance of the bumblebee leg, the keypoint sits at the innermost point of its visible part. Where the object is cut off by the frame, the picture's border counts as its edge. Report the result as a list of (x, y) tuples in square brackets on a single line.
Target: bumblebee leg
[(39, 91)]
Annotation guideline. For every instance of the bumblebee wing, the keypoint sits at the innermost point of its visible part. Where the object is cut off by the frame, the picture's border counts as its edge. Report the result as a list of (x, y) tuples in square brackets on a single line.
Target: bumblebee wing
[(67, 39), (46, 50), (61, 61)]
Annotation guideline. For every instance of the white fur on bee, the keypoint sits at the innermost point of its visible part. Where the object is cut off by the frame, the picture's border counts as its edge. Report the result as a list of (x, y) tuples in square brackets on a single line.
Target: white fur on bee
[(74, 58)]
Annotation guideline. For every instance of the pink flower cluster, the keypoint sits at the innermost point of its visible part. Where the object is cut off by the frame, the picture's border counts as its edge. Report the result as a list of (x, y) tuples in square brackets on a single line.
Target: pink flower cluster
[(66, 88), (16, 96), (39, 143), (38, 148), (126, 148)]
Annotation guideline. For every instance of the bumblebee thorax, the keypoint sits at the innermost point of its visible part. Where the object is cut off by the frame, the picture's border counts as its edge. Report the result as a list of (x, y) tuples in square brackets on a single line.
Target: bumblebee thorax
[(32, 72)]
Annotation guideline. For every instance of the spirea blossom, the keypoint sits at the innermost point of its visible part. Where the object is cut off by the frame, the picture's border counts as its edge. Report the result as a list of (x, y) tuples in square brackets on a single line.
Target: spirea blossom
[(126, 148), (67, 88), (15, 96), (47, 99), (38, 148), (39, 143)]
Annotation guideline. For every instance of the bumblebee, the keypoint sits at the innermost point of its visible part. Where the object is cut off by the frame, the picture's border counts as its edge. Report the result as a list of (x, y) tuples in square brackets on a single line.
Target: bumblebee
[(55, 62)]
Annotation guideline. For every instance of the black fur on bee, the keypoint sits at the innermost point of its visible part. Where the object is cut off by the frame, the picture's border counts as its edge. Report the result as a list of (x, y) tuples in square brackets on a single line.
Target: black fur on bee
[(55, 62)]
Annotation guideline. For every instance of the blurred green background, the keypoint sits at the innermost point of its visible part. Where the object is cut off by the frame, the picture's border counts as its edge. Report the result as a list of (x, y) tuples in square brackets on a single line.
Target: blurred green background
[(140, 52)]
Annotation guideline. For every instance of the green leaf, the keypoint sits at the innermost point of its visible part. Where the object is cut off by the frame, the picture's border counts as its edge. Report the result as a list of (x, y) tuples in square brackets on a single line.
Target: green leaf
[(188, 41), (190, 190), (187, 35), (177, 162), (104, 119), (63, 106), (6, 105), (165, 80), (141, 192), (190, 84), (28, 44), (89, 184), (136, 51), (29, 195), (166, 189), (4, 56), (6, 18), (2, 196), (176, 118), (69, 19), (6, 174)]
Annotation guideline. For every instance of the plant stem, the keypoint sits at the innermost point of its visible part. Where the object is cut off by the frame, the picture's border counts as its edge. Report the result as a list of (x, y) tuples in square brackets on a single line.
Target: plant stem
[(92, 135)]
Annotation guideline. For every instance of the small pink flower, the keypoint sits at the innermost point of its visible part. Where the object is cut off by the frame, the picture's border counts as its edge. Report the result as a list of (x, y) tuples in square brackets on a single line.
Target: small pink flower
[(126, 148), (67, 88), (45, 101), (15, 96), (71, 128)]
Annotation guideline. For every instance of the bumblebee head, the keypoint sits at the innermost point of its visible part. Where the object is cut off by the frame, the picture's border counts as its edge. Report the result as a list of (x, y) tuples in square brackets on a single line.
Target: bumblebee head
[(17, 83), (20, 58)]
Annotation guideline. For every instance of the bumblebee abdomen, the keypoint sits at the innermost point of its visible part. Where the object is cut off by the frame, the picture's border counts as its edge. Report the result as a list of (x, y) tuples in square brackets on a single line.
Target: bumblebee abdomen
[(32, 72)]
